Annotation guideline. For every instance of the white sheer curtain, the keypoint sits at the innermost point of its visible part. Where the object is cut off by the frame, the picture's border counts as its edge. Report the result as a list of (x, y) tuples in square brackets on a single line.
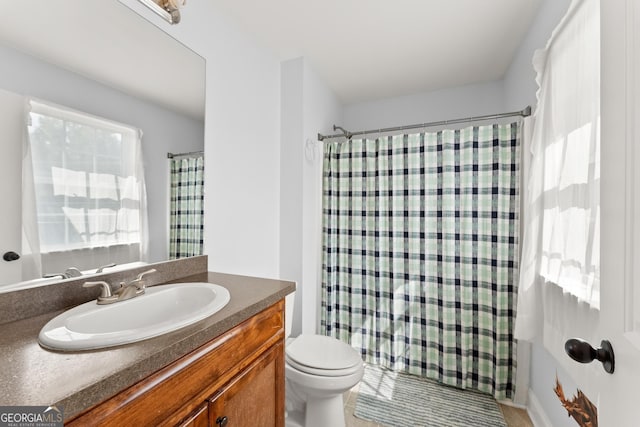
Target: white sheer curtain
[(559, 286), (31, 258), (84, 196)]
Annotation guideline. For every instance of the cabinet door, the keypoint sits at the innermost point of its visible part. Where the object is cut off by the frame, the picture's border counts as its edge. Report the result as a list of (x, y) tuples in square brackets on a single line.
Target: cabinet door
[(255, 397), (200, 418)]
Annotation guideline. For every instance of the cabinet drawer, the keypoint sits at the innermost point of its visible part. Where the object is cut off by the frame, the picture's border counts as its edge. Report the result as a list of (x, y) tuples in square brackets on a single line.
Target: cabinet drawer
[(179, 389)]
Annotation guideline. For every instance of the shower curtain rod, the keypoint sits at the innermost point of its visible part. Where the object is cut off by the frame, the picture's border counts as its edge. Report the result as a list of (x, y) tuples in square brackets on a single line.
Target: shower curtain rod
[(524, 113), (192, 153)]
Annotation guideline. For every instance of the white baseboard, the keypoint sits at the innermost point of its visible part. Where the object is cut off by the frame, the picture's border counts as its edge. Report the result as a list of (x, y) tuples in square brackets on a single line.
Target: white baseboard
[(536, 412), (510, 403)]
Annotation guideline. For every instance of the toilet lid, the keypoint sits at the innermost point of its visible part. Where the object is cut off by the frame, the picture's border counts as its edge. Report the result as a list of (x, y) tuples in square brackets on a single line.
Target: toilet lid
[(321, 353)]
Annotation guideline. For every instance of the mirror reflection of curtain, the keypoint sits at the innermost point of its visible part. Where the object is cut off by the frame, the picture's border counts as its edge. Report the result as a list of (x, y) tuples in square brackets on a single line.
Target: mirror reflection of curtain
[(87, 184), (186, 222)]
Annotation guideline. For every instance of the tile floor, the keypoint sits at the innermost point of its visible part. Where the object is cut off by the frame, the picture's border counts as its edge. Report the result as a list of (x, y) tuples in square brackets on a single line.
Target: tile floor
[(515, 417)]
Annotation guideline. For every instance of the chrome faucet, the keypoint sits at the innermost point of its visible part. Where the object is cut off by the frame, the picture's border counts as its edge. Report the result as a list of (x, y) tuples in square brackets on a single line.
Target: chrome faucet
[(126, 291), (105, 295)]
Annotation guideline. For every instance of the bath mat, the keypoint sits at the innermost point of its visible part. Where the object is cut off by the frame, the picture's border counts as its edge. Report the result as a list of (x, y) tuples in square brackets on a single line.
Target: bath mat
[(401, 400)]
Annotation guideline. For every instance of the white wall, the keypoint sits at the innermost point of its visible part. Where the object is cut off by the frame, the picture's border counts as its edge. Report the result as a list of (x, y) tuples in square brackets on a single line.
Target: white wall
[(321, 110), (164, 130), (242, 140), (514, 92), (308, 107), (291, 184), (519, 81), (452, 103)]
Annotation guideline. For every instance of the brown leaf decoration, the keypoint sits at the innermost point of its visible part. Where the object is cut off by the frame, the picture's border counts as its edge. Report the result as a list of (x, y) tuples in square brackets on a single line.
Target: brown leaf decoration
[(580, 407)]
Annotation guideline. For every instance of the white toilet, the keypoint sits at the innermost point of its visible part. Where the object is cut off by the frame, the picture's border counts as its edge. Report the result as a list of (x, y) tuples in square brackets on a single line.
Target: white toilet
[(318, 370)]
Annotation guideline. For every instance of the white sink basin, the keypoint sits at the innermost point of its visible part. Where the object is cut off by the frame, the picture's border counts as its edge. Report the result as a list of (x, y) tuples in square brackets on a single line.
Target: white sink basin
[(160, 310)]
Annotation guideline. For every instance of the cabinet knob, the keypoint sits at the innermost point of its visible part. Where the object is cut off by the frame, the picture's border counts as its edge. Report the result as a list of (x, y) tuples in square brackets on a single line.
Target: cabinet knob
[(222, 421)]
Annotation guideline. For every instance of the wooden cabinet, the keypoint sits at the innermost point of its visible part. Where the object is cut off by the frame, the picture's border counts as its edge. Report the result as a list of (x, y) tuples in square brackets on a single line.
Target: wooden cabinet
[(238, 375), (250, 399), (200, 418)]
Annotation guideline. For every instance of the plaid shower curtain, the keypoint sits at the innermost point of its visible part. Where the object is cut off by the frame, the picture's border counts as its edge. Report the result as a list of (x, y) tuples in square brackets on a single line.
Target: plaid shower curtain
[(186, 225), (420, 251)]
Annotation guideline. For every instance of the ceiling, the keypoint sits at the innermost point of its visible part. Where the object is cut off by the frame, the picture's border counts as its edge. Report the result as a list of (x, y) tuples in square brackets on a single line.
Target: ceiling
[(363, 49), (105, 41), (371, 49)]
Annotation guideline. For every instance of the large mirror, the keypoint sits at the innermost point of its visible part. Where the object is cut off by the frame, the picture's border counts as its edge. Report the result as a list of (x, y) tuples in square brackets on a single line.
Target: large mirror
[(101, 58)]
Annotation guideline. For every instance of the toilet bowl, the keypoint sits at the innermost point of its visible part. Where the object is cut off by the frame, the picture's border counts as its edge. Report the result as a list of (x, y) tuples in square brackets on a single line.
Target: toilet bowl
[(318, 370)]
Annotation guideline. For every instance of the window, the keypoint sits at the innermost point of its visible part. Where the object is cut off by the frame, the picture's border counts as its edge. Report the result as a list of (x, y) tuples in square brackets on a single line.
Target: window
[(562, 210), (88, 181), (570, 91)]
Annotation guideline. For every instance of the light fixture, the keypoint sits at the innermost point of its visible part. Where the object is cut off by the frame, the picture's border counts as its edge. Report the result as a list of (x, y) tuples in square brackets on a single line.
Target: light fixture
[(169, 10)]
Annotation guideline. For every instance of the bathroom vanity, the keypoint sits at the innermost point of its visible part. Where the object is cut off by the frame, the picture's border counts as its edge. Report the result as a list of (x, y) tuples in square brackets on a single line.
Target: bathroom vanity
[(226, 369), (236, 378)]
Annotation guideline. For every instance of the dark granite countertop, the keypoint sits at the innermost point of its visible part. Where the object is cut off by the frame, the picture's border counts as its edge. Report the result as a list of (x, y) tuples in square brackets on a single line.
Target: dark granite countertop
[(31, 375)]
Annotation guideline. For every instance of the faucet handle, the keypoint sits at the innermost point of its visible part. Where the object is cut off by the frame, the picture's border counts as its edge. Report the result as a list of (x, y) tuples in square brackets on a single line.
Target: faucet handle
[(72, 272), (106, 289), (144, 273), (139, 283), (99, 270)]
